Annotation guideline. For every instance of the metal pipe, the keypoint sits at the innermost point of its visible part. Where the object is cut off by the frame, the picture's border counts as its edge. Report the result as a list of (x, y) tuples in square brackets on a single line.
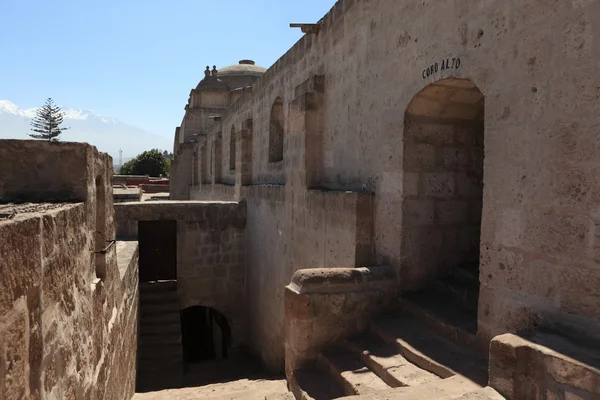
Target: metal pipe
[(103, 251)]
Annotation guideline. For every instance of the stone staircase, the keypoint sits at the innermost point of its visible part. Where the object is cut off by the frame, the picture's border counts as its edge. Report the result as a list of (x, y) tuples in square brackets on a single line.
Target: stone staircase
[(160, 354), (424, 348)]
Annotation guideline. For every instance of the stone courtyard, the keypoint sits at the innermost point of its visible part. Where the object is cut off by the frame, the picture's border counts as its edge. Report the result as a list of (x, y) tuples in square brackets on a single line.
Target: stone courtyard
[(406, 205)]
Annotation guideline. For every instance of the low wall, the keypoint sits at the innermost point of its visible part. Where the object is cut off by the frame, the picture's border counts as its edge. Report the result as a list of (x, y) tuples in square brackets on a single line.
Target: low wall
[(122, 195), (29, 171), (544, 366), (155, 188), (211, 269), (63, 332), (325, 305), (214, 192)]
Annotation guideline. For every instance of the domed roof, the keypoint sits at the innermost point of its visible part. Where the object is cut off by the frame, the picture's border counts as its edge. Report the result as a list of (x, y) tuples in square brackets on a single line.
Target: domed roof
[(211, 81), (244, 67), (240, 75)]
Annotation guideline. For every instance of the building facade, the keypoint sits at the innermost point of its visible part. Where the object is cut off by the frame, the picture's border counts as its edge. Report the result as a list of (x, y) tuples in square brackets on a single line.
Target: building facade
[(447, 139)]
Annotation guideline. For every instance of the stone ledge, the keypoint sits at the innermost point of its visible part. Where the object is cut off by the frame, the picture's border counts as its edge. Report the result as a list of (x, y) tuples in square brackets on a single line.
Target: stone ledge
[(127, 256), (526, 367), (328, 280)]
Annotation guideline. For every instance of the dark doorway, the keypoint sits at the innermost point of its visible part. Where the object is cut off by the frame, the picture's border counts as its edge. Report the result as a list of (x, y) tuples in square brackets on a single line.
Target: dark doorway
[(442, 208), (158, 250), (205, 334)]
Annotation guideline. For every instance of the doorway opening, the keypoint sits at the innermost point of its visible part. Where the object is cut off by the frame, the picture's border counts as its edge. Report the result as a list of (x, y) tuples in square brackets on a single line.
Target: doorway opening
[(205, 335), (158, 250), (443, 175)]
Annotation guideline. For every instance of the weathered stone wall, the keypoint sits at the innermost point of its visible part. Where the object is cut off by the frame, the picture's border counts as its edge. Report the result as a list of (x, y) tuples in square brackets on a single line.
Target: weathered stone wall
[(536, 64), (443, 189), (182, 170), (65, 333), (32, 174), (211, 268), (540, 365)]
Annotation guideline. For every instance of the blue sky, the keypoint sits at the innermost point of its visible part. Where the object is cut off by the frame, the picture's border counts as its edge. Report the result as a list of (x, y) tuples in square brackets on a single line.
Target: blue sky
[(136, 60)]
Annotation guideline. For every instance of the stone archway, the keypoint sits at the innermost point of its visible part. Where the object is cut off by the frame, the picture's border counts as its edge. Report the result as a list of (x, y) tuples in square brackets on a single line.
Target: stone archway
[(443, 184), (206, 334)]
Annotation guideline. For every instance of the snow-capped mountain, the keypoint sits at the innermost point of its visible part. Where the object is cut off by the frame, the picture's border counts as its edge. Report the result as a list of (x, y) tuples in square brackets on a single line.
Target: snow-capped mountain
[(107, 134)]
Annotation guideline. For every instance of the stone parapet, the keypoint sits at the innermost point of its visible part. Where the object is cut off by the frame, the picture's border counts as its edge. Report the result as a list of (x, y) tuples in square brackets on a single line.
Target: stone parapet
[(323, 306), (543, 366), (68, 301)]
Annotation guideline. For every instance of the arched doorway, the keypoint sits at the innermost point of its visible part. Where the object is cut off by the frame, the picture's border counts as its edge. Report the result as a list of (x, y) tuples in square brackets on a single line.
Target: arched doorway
[(443, 186), (276, 131), (205, 335)]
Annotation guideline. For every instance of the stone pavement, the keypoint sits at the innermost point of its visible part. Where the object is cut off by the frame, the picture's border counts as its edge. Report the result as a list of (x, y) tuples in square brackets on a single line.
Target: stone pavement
[(241, 389)]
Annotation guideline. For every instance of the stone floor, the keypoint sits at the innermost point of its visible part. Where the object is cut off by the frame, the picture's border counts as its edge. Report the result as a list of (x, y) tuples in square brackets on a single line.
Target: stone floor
[(259, 389), (239, 377)]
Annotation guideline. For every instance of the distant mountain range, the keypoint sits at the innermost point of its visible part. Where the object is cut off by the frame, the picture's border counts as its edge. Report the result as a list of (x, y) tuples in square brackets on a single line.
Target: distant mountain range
[(107, 134)]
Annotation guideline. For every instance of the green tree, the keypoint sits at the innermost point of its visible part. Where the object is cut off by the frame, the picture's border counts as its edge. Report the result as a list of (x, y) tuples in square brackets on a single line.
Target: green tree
[(152, 163), (46, 122)]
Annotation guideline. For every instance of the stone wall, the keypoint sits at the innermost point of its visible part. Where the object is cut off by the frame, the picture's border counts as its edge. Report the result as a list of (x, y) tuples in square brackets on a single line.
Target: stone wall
[(182, 170), (32, 174), (536, 64), (67, 316), (211, 268), (325, 229)]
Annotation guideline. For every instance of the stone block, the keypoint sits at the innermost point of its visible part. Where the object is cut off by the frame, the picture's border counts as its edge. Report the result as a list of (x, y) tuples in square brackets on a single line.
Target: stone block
[(450, 212), (454, 158), (550, 232), (438, 184), (419, 157), (418, 212), (21, 269), (14, 357), (577, 288), (22, 178), (434, 134), (410, 184), (468, 184)]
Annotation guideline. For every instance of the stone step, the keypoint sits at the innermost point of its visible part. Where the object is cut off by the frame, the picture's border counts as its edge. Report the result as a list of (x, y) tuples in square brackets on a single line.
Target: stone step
[(159, 286), (160, 329), (349, 372), (442, 313), (151, 381), (159, 340), (156, 364), (160, 319), (486, 393), (459, 291), (154, 352), (311, 383), (427, 349), (453, 388), (158, 298), (160, 308), (386, 361)]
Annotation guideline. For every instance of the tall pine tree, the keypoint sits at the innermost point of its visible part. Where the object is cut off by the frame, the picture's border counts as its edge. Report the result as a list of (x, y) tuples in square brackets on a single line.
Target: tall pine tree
[(47, 122)]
